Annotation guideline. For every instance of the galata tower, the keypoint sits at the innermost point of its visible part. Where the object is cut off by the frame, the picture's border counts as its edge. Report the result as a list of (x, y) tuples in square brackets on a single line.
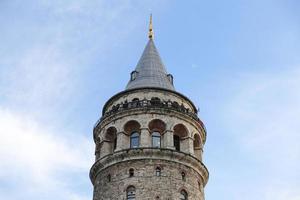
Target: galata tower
[(149, 140)]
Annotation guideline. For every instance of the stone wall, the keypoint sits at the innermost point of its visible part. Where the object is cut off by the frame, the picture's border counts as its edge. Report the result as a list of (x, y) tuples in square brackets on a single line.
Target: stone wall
[(148, 186)]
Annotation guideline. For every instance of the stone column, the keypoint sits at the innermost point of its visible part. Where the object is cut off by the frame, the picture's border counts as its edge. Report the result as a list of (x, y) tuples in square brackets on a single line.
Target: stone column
[(145, 138), (190, 143), (97, 150), (198, 152), (186, 145), (105, 148), (168, 140), (123, 141)]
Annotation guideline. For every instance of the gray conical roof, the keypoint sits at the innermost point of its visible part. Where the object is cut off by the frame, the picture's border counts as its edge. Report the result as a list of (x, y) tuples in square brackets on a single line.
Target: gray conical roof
[(150, 71)]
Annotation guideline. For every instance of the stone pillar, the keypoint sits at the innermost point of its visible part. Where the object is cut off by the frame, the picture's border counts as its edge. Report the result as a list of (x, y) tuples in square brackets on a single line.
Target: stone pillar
[(105, 148), (190, 143), (186, 145), (123, 141), (145, 138), (168, 141), (97, 150), (198, 152)]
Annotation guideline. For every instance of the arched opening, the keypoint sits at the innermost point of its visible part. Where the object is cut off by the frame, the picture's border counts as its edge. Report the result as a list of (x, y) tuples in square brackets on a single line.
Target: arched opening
[(110, 139), (183, 176), (133, 75), (180, 132), (197, 146), (156, 127), (158, 171), (131, 172), (196, 141), (170, 77), (130, 193), (183, 195), (132, 128)]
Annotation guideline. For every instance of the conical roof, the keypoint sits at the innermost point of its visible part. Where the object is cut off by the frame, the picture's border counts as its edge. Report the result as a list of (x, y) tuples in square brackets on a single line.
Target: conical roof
[(150, 71)]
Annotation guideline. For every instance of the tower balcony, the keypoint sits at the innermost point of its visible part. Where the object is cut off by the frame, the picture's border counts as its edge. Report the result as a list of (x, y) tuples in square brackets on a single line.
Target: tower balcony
[(153, 104)]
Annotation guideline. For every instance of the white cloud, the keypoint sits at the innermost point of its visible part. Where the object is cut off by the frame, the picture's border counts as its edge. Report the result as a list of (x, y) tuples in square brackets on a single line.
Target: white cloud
[(33, 155)]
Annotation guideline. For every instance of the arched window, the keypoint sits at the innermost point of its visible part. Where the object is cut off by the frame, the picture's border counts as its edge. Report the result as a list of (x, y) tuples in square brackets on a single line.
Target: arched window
[(158, 171), (196, 142), (134, 140), (111, 139), (197, 146), (183, 195), (176, 139), (156, 139), (170, 77), (183, 177), (130, 193), (180, 135), (131, 172), (133, 75)]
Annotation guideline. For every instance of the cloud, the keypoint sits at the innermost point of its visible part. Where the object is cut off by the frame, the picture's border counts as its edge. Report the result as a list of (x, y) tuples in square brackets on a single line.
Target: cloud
[(33, 155)]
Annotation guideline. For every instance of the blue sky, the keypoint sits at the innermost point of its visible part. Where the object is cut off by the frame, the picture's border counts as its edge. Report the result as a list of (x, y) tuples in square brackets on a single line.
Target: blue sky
[(237, 60)]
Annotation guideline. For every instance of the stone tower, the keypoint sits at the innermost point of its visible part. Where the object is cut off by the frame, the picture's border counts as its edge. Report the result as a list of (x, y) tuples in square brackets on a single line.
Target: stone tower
[(149, 140)]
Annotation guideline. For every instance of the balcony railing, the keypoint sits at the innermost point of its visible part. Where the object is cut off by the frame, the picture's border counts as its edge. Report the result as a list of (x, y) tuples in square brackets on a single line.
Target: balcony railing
[(150, 104)]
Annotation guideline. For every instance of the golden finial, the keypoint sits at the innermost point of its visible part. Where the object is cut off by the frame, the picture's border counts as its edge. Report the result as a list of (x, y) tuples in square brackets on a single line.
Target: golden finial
[(151, 34)]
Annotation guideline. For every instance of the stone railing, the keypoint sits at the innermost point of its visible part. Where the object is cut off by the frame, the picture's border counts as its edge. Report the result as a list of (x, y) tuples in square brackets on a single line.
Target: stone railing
[(149, 104)]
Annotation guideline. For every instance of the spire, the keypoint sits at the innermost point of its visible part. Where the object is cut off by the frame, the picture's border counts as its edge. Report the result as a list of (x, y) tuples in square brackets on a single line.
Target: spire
[(150, 70), (151, 34)]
